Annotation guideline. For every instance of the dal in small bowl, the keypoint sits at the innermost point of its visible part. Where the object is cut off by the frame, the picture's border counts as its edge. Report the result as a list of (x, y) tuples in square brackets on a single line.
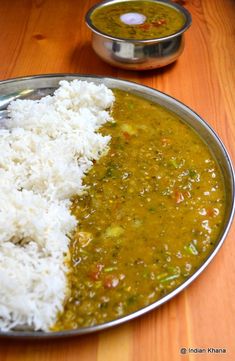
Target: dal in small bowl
[(138, 34)]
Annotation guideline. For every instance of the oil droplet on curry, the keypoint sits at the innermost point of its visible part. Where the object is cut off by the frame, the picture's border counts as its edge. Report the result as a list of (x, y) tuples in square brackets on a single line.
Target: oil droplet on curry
[(152, 213)]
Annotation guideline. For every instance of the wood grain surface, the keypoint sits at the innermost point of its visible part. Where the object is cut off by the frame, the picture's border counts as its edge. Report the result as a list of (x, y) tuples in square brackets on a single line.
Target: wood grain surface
[(46, 36)]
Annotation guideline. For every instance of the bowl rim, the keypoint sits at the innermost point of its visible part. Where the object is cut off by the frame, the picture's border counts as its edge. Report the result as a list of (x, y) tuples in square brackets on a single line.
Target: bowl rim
[(141, 90), (183, 10)]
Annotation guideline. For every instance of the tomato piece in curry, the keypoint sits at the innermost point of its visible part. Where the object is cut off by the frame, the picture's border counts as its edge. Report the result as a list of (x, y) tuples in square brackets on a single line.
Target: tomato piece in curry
[(152, 213)]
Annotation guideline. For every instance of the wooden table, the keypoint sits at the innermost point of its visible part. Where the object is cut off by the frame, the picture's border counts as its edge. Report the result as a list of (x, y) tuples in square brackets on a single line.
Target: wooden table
[(49, 36)]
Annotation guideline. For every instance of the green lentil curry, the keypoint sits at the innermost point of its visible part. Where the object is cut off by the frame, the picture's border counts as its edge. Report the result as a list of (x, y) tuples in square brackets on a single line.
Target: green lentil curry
[(151, 215), (138, 20)]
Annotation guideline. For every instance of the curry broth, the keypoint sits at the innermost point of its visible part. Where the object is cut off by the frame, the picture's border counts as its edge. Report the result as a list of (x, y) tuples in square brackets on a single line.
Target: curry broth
[(151, 215), (159, 20)]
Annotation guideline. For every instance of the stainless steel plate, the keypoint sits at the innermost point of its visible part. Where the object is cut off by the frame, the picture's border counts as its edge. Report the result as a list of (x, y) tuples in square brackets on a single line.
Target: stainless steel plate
[(46, 84)]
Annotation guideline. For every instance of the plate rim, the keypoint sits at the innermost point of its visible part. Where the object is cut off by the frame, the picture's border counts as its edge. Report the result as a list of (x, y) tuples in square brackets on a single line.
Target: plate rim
[(92, 329)]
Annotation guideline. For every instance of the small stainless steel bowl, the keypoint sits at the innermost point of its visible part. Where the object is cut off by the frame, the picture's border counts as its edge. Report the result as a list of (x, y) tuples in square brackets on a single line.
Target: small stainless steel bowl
[(138, 54)]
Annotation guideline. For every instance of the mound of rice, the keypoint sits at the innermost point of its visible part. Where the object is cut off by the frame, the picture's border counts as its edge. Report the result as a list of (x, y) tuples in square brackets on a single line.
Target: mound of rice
[(46, 150)]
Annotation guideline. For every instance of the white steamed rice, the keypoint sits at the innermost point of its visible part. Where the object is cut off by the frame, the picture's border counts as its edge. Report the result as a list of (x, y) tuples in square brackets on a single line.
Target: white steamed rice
[(46, 149)]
